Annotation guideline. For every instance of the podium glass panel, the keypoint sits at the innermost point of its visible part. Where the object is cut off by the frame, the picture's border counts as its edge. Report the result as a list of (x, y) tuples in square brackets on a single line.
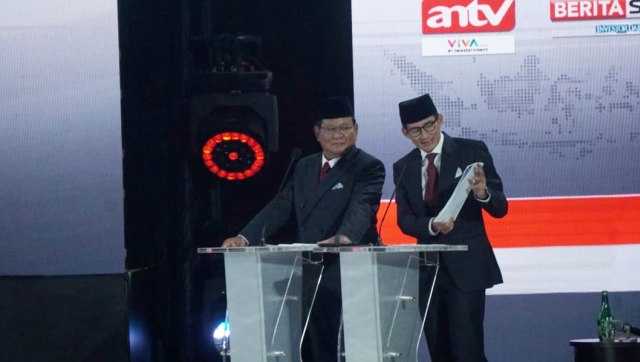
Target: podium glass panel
[(380, 291), (267, 301)]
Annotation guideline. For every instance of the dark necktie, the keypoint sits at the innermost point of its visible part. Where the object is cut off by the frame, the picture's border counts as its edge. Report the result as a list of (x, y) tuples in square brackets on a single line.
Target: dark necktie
[(431, 181), (324, 170)]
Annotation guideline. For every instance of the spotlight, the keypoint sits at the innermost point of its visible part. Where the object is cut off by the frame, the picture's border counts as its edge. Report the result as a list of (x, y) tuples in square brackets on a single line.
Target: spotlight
[(233, 120), (233, 155), (233, 133), (221, 338)]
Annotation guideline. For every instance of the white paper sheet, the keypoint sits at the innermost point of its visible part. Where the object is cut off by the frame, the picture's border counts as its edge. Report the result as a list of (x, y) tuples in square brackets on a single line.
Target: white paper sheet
[(457, 199)]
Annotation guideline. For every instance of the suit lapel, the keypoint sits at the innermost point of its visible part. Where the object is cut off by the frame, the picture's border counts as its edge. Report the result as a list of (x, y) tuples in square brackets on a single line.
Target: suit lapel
[(449, 163), (319, 189), (308, 184)]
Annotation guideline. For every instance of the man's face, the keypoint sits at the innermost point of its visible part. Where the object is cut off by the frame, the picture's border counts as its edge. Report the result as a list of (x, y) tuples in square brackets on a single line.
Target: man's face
[(336, 135), (424, 134)]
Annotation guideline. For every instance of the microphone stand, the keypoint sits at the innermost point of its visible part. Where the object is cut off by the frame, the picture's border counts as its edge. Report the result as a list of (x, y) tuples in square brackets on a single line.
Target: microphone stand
[(295, 154), (393, 194)]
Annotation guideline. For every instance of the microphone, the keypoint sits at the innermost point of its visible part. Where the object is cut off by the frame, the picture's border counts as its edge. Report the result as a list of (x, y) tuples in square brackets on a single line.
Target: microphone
[(263, 240), (393, 194), (295, 154), (621, 326)]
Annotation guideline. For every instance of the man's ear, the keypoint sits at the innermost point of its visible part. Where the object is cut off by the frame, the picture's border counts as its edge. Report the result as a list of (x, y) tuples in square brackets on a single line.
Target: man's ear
[(404, 132), (316, 131)]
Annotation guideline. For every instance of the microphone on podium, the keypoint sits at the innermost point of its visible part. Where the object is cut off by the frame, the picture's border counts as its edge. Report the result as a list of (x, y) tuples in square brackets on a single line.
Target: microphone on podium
[(393, 194), (295, 154)]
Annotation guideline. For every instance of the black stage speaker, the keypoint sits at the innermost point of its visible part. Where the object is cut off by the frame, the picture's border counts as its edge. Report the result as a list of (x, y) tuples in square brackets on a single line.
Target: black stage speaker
[(64, 318)]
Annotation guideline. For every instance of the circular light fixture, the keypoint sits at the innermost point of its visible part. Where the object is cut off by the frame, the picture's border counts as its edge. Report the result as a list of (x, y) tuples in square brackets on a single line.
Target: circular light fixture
[(233, 155)]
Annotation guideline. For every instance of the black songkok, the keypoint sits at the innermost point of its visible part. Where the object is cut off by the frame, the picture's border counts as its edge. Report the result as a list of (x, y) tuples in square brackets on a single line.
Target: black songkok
[(417, 109), (335, 107)]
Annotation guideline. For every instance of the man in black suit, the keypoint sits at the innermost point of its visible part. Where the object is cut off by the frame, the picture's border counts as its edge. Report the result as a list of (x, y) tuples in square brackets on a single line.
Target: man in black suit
[(334, 196), (425, 179)]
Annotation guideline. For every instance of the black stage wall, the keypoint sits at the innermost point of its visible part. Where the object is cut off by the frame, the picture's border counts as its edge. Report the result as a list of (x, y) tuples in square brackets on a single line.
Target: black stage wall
[(64, 318), (172, 205)]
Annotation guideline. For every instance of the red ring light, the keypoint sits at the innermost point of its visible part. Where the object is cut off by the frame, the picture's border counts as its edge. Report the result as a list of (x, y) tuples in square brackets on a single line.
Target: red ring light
[(233, 155)]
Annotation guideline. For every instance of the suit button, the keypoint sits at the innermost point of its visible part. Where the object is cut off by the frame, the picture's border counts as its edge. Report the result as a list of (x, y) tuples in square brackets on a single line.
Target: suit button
[(302, 205), (302, 228)]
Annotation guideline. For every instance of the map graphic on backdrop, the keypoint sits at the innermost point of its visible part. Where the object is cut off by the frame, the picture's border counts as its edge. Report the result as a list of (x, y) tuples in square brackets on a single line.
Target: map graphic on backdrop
[(561, 115), (553, 89)]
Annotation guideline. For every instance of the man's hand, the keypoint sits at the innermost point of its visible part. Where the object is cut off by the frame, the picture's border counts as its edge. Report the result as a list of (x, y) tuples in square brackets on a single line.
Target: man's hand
[(234, 242), (443, 227), (336, 239), (478, 182)]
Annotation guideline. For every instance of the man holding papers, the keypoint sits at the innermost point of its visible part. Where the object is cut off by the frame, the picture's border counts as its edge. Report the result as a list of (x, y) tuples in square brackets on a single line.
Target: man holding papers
[(426, 179)]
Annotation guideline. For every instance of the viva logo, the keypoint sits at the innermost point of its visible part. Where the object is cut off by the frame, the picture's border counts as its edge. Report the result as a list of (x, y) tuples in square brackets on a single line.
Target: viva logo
[(462, 43)]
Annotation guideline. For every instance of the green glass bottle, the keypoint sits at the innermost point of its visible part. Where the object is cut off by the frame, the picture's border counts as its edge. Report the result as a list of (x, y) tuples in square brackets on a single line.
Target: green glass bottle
[(605, 318)]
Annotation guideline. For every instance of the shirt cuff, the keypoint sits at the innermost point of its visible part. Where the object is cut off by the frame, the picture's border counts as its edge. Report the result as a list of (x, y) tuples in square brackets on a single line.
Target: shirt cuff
[(486, 189), (431, 232), (246, 241)]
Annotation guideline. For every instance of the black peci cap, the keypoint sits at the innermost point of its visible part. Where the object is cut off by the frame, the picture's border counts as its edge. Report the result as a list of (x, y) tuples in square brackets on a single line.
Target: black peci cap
[(335, 107), (417, 109)]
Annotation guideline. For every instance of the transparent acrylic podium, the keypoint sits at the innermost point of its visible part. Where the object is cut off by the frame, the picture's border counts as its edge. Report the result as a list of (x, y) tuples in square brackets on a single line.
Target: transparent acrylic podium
[(381, 313), (267, 302)]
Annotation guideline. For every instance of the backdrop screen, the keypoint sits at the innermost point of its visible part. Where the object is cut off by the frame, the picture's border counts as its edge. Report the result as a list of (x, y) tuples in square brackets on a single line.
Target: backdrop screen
[(553, 88), (61, 207)]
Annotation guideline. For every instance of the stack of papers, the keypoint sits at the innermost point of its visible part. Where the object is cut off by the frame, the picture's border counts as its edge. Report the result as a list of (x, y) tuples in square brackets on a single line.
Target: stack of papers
[(457, 199)]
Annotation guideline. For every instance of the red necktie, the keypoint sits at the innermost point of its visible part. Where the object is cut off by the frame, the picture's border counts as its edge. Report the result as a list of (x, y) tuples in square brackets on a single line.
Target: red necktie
[(325, 169), (431, 178)]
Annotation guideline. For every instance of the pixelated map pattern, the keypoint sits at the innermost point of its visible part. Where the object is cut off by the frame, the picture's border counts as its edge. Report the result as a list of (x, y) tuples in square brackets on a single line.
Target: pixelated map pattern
[(517, 94), (563, 125)]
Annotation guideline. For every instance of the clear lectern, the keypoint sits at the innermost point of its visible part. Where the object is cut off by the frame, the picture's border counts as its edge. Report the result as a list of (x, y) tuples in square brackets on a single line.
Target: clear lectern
[(267, 301), (270, 292), (381, 314)]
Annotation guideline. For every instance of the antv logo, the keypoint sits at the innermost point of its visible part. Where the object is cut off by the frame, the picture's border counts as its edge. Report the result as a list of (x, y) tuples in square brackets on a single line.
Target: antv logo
[(466, 16)]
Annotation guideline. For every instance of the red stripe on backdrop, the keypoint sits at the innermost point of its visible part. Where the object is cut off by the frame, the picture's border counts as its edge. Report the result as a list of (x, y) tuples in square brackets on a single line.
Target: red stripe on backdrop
[(550, 222)]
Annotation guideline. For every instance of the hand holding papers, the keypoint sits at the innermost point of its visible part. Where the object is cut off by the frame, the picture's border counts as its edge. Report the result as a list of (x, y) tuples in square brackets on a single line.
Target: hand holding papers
[(452, 208)]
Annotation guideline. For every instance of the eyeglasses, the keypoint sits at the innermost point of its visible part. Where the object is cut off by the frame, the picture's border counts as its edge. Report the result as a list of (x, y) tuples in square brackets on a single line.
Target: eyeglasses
[(428, 127), (333, 130)]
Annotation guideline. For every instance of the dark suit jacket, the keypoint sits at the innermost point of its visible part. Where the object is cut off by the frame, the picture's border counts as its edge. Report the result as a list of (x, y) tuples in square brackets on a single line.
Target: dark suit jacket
[(345, 202), (474, 269)]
